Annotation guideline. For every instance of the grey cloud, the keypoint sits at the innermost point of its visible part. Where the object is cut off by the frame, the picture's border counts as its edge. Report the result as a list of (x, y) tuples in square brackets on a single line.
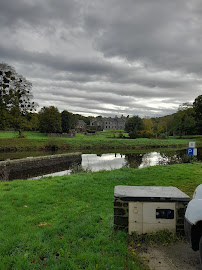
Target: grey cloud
[(106, 57), (86, 66), (129, 90), (38, 13), (162, 35), (87, 106)]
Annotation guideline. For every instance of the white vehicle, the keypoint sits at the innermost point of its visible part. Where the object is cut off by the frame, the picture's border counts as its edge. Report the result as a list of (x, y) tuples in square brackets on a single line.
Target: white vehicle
[(193, 221)]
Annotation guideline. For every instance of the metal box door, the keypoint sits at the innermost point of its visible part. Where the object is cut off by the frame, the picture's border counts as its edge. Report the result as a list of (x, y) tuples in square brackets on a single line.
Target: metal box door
[(135, 218), (143, 217)]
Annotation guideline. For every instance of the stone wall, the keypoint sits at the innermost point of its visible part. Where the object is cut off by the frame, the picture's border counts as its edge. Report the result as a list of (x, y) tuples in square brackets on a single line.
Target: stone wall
[(120, 214), (65, 135), (11, 167)]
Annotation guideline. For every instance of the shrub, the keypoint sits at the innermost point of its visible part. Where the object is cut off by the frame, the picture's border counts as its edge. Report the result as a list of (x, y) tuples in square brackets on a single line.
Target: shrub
[(146, 134)]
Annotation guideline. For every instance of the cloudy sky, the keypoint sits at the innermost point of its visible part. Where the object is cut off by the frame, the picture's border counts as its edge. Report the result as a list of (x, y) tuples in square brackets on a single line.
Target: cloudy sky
[(106, 57)]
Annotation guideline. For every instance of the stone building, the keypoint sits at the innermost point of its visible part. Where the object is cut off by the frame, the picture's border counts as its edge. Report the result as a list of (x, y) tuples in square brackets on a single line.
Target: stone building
[(81, 124), (109, 122)]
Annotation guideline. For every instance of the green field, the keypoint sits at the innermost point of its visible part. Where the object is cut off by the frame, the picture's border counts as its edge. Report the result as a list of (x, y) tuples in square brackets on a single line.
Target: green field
[(101, 140), (67, 222)]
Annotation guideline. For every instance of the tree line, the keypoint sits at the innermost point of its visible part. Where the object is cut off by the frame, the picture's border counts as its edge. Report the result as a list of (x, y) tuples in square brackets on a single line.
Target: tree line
[(52, 121), (18, 112), (186, 121)]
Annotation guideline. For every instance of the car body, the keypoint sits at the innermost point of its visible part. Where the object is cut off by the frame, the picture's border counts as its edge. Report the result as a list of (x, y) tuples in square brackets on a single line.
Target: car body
[(193, 221)]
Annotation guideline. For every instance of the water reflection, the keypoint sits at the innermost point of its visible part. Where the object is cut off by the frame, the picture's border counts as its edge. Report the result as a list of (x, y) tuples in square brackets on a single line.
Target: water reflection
[(155, 158), (103, 162)]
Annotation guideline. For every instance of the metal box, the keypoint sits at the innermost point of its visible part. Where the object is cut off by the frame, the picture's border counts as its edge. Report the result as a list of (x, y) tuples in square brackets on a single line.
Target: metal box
[(144, 209)]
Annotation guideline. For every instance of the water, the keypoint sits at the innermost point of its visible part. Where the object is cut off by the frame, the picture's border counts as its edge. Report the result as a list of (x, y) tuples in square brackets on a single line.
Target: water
[(107, 161), (112, 161)]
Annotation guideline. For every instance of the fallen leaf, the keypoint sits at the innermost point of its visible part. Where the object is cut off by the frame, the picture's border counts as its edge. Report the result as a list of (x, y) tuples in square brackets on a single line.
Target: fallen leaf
[(44, 224), (42, 258)]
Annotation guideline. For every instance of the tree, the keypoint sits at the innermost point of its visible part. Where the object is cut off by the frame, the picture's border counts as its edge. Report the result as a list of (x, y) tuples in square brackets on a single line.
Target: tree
[(69, 121), (31, 122), (66, 121), (15, 97), (148, 128), (148, 125), (197, 105), (50, 120), (133, 126), (184, 106), (184, 120)]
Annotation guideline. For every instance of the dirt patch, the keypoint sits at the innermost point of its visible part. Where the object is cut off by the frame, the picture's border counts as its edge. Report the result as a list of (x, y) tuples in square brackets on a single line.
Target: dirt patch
[(171, 257)]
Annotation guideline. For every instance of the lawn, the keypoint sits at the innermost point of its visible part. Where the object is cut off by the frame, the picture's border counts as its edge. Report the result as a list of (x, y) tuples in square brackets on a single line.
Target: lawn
[(101, 140), (67, 222)]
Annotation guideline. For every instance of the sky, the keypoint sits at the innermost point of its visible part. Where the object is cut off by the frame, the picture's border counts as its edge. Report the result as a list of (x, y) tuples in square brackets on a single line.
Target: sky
[(106, 57)]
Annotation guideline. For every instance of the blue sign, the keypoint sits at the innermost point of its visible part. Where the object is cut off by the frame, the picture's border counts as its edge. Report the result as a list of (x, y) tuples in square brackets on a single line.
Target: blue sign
[(192, 151)]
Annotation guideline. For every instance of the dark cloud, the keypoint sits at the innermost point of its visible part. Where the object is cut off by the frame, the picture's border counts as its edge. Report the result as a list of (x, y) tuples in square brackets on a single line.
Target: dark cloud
[(45, 13), (106, 57)]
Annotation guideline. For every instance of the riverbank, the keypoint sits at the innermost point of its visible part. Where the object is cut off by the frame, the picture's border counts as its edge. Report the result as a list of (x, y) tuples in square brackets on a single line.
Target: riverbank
[(102, 140), (67, 222)]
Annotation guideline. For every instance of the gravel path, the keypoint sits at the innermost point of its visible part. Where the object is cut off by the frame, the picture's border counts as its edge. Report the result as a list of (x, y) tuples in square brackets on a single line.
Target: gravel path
[(178, 256)]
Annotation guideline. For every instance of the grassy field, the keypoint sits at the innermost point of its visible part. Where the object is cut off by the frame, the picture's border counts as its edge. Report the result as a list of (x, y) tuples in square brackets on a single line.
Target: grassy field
[(101, 140), (67, 222)]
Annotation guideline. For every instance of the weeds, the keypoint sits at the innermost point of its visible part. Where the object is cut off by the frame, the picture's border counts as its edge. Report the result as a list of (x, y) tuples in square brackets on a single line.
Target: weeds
[(52, 145), (162, 237), (77, 168)]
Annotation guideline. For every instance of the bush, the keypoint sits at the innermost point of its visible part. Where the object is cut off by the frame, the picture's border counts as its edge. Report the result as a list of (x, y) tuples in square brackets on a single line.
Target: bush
[(163, 136), (134, 134), (146, 134)]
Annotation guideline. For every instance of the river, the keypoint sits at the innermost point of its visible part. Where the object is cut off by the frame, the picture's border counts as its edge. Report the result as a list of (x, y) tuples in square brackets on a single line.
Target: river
[(104, 161)]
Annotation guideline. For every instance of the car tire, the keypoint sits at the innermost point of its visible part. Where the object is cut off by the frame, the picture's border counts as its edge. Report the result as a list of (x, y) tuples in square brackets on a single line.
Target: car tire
[(200, 250)]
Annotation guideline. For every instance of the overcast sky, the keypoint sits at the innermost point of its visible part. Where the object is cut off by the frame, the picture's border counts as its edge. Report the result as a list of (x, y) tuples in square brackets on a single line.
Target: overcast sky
[(106, 57)]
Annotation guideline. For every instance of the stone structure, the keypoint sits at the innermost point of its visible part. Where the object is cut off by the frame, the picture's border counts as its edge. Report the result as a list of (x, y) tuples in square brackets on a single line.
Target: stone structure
[(33, 166), (71, 134), (81, 124), (109, 123), (123, 197)]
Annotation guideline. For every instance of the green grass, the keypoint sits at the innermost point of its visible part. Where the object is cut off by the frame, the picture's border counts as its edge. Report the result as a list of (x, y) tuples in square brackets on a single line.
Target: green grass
[(101, 140), (8, 134), (67, 222)]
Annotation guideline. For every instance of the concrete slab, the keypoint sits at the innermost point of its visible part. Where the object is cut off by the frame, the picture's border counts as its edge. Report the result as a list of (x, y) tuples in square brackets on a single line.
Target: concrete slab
[(150, 193)]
